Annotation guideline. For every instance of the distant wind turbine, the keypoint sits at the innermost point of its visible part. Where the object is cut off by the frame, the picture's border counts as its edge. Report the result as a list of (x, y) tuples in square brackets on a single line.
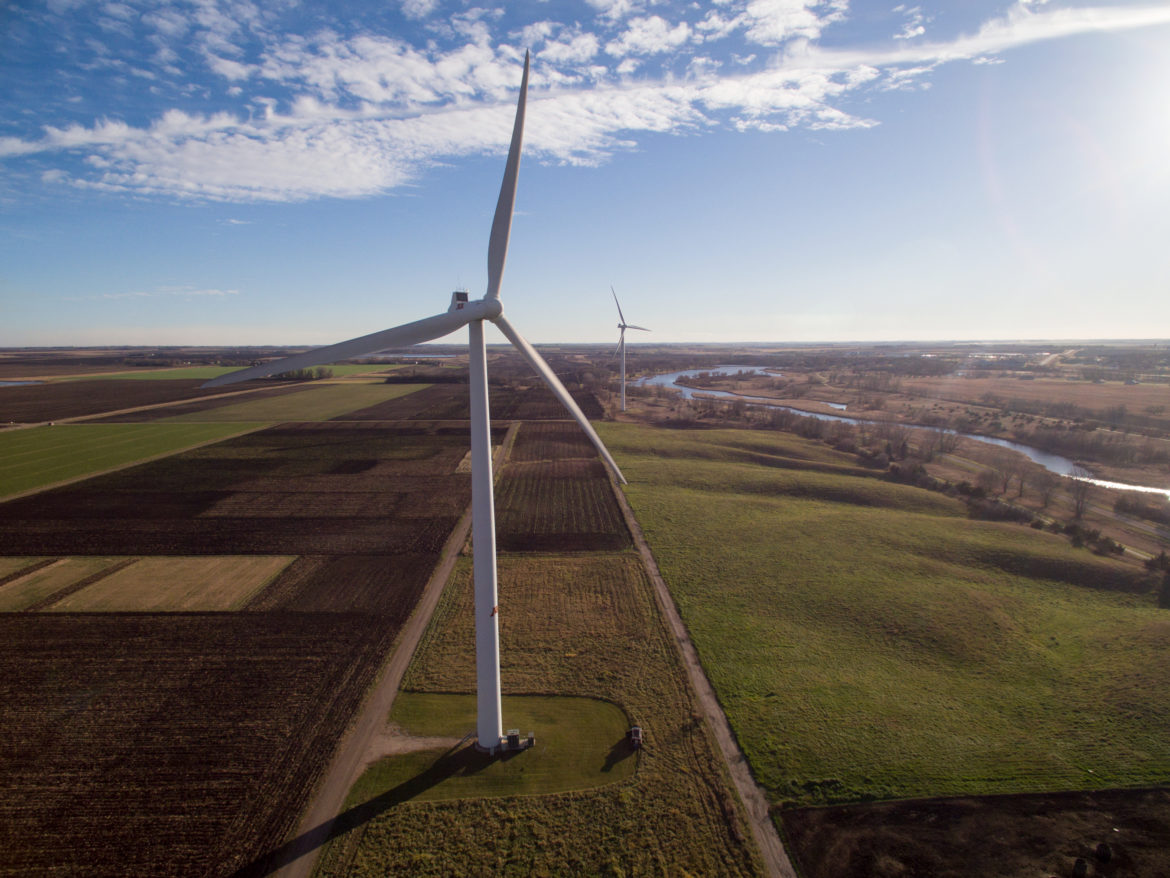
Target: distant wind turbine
[(472, 314), (621, 348)]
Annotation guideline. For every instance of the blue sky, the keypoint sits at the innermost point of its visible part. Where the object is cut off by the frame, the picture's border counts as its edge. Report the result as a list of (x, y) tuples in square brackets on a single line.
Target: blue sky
[(222, 172)]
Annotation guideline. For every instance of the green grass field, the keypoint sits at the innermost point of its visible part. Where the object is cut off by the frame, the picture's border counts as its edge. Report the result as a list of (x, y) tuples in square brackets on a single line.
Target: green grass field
[(206, 373), (868, 640), (41, 456), (316, 403), (580, 745)]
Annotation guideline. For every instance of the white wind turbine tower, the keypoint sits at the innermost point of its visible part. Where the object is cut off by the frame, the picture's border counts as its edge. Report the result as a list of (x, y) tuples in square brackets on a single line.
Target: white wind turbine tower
[(472, 314), (621, 348)]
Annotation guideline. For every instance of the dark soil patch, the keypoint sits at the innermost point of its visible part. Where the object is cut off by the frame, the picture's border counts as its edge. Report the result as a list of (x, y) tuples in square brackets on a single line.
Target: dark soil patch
[(315, 489), (71, 399), (178, 744), (554, 441), (551, 506), (387, 585), (439, 402), (450, 402), (1004, 836)]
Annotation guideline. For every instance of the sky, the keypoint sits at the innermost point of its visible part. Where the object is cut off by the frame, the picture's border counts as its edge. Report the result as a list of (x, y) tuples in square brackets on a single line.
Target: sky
[(223, 172)]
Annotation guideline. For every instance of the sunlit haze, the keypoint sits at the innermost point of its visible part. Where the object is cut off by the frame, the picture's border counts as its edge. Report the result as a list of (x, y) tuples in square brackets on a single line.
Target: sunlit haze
[(274, 173)]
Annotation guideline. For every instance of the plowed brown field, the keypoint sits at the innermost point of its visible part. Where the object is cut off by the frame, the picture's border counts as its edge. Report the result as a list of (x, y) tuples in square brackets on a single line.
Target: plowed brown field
[(168, 744), (70, 399)]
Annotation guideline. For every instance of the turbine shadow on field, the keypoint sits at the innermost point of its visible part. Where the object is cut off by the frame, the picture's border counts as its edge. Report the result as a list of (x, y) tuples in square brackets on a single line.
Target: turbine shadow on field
[(460, 760), (617, 753)]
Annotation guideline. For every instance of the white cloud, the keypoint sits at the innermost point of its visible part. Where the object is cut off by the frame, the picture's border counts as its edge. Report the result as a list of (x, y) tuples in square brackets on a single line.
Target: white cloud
[(616, 9), (571, 50), (364, 114), (418, 8), (648, 36), (227, 68), (772, 22)]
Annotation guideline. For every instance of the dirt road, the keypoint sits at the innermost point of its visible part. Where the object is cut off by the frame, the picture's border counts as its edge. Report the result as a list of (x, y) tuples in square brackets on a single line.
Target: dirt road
[(365, 737), (776, 861)]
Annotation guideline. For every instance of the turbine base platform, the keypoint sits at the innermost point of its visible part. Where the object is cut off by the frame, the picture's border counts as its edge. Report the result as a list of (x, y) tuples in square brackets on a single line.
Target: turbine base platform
[(509, 743)]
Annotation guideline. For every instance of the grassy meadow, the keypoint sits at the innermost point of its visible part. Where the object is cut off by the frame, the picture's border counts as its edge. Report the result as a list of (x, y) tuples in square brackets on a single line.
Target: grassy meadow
[(41, 456), (579, 625), (869, 641), (581, 745)]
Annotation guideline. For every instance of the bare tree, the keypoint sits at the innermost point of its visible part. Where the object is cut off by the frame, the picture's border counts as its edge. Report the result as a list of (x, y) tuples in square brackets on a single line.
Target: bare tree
[(1045, 483), (1078, 490)]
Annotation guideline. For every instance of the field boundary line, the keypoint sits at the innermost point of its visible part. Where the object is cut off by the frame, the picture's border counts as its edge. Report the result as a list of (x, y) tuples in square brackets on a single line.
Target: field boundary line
[(755, 802), (353, 755), (122, 466)]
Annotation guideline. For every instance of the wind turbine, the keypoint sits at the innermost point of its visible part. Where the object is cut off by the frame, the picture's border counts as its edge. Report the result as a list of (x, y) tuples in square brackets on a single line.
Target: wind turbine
[(472, 314), (621, 348)]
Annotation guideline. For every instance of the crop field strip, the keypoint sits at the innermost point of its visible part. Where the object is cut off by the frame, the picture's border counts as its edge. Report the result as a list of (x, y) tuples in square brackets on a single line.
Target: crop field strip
[(869, 641), (34, 458), (300, 476), (251, 702), (578, 625), (554, 494), (44, 580), (172, 744), (159, 584), (56, 401), (169, 410), (319, 402), (449, 402)]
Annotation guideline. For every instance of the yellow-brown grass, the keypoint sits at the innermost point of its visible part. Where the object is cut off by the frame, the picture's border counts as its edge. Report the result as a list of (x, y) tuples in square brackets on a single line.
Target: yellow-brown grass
[(177, 585), (27, 590)]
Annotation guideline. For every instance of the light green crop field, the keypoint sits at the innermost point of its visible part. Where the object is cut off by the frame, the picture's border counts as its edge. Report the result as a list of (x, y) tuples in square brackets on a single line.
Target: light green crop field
[(316, 403), (204, 373), (41, 456), (869, 641), (581, 745)]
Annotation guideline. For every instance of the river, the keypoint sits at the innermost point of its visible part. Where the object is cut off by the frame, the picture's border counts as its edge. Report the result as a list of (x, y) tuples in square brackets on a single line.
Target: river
[(1062, 466)]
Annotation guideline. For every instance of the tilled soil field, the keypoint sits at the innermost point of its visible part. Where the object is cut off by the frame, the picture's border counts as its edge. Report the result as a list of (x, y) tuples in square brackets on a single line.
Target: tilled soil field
[(445, 402), (189, 743), (139, 744), (1004, 836), (318, 489), (33, 403), (555, 496)]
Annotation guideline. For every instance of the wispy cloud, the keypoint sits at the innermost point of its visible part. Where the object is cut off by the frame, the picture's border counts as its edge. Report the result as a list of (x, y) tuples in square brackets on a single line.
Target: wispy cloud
[(159, 293), (361, 114)]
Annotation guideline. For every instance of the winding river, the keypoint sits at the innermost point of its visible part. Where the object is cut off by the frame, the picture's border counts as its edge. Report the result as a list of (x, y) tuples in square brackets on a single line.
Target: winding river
[(1062, 466)]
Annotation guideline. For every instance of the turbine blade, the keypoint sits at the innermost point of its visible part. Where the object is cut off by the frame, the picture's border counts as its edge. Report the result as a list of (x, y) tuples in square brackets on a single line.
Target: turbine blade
[(631, 326), (542, 368), (619, 304), (502, 221), (399, 336)]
